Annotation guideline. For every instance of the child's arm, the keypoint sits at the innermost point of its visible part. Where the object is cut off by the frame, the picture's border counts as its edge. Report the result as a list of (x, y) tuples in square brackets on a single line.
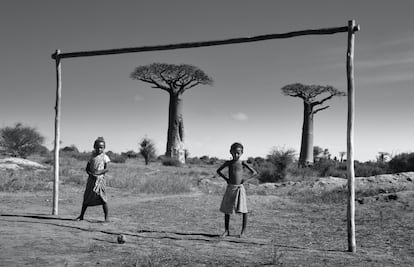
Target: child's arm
[(225, 164), (105, 170), (253, 172), (87, 169)]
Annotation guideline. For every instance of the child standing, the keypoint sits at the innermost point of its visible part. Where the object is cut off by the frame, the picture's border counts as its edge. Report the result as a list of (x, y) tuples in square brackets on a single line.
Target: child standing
[(234, 199), (95, 191)]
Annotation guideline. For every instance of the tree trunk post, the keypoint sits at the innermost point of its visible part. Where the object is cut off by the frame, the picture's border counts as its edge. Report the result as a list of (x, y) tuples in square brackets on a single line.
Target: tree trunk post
[(306, 152), (175, 138), (350, 137), (57, 133)]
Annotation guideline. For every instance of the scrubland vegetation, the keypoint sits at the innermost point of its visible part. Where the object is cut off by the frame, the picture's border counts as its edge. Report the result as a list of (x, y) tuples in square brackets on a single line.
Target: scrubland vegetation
[(162, 175), (169, 212)]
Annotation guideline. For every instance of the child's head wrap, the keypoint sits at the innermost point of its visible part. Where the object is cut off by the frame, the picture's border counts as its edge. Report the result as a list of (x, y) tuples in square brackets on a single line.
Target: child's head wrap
[(98, 140)]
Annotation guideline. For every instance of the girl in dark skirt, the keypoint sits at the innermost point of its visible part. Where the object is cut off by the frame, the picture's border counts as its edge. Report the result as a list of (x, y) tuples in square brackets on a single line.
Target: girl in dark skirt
[(95, 191)]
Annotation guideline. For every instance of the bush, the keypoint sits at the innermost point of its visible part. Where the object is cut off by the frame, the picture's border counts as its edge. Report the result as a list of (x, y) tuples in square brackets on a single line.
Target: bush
[(268, 173), (194, 160), (370, 168), (167, 161), (325, 168), (20, 141), (299, 173), (276, 166), (402, 163), (147, 150), (130, 154), (116, 158), (71, 148)]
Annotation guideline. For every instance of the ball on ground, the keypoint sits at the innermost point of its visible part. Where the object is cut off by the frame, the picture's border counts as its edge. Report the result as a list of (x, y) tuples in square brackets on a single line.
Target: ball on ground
[(121, 239)]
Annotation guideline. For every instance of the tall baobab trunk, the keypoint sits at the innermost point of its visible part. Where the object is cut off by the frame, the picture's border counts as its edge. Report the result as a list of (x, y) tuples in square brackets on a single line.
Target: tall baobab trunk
[(175, 138), (306, 148)]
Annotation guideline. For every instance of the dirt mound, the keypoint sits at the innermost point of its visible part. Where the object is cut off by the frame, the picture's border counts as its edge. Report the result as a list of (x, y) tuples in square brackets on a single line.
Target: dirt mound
[(373, 185), (403, 181), (19, 163), (403, 197)]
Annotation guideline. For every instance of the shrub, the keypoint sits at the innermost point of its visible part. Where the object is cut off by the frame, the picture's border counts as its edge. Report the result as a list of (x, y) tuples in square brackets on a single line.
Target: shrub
[(370, 168), (268, 173), (20, 141), (194, 160), (147, 150), (167, 161), (402, 163), (325, 168), (276, 166), (71, 148), (297, 172), (116, 158), (130, 154)]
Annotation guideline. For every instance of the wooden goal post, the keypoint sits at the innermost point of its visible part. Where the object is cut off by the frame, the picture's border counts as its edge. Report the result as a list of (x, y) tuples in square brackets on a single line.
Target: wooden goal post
[(350, 29)]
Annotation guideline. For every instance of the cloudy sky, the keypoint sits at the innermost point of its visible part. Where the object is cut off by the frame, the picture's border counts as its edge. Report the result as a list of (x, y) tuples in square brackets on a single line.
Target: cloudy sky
[(245, 102)]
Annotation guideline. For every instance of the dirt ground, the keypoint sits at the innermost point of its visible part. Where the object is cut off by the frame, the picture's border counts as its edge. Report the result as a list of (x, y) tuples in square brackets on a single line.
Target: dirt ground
[(183, 230)]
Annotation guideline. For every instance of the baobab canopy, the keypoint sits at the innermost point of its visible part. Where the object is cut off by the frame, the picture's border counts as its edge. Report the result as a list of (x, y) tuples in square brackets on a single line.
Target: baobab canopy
[(170, 77), (310, 92)]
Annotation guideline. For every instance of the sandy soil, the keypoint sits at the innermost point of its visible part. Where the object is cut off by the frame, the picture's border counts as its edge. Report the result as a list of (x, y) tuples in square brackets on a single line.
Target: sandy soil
[(182, 230)]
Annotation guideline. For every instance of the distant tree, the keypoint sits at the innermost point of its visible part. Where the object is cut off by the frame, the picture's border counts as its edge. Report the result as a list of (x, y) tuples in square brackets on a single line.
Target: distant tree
[(174, 79), (383, 157), (326, 154), (186, 154), (20, 141), (147, 150), (312, 96), (71, 148), (342, 155), (317, 151), (205, 159)]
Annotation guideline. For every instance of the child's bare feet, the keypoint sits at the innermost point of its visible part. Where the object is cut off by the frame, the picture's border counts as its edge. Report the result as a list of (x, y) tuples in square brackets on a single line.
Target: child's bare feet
[(242, 234), (79, 218), (225, 233)]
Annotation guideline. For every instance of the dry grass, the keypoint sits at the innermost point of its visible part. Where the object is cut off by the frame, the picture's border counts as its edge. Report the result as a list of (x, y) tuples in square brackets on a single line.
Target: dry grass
[(132, 176), (25, 180), (292, 225)]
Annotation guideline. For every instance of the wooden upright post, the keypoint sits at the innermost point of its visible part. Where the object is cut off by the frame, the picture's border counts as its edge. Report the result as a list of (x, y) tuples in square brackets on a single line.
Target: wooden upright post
[(350, 136), (57, 133)]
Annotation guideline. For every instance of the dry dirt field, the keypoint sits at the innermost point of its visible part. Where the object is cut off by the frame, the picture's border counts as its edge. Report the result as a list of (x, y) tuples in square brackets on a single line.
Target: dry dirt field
[(183, 229)]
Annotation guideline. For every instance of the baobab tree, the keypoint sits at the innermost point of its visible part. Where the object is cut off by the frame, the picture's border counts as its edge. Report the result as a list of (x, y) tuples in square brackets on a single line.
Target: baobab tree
[(174, 79), (313, 96)]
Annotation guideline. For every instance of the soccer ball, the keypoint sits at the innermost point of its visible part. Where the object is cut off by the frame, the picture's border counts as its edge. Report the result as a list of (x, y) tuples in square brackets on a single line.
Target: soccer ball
[(121, 239)]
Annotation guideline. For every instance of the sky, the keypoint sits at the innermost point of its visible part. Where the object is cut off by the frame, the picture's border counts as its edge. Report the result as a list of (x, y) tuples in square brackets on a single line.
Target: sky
[(245, 103)]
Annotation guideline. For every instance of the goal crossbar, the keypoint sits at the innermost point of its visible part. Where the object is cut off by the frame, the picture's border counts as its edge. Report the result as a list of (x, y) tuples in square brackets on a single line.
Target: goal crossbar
[(258, 38)]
